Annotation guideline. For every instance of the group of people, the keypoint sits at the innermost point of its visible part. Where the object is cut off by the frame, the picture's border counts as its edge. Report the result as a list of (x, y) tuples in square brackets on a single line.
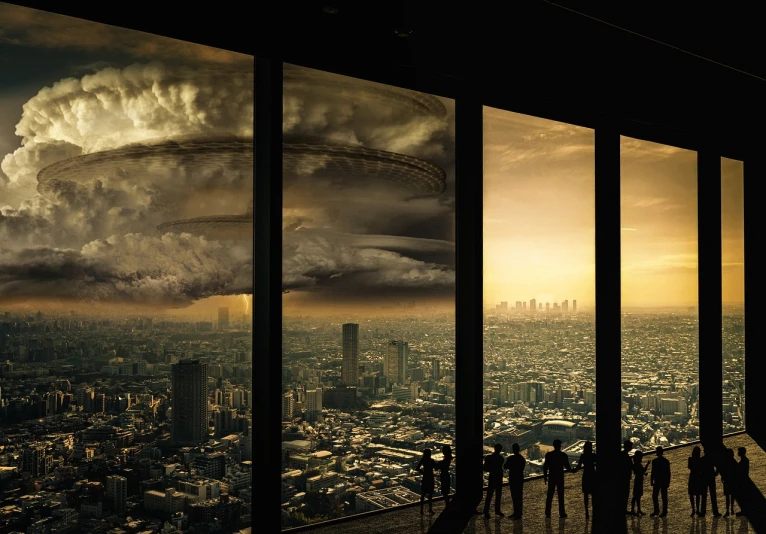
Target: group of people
[(427, 466), (702, 474)]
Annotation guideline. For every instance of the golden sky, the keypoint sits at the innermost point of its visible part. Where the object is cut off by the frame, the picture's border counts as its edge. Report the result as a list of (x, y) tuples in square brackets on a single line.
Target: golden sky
[(539, 220)]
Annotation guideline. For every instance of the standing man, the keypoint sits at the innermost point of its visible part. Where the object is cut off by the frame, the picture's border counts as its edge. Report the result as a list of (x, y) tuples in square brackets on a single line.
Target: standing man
[(554, 465), (627, 472), (493, 464), (709, 473), (660, 479), (515, 465)]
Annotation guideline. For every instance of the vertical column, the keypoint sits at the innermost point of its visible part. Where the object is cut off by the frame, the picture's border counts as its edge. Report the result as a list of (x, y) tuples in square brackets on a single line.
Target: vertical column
[(469, 353), (753, 187), (267, 288), (710, 402), (608, 513)]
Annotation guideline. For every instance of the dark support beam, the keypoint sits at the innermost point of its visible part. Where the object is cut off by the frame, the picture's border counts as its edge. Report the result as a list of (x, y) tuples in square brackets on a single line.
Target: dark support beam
[(469, 353), (710, 308), (267, 289), (608, 508), (755, 171)]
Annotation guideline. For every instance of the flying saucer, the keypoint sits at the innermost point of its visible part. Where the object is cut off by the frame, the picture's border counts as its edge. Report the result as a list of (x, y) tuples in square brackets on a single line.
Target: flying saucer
[(362, 92), (355, 164)]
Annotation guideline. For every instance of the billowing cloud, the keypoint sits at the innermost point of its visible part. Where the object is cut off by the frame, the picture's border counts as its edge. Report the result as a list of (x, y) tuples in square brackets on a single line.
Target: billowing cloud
[(310, 259), (91, 231), (170, 271)]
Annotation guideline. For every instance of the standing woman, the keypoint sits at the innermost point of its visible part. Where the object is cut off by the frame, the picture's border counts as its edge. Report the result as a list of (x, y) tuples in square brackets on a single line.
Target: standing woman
[(587, 463), (444, 475), (638, 482), (695, 480), (426, 465)]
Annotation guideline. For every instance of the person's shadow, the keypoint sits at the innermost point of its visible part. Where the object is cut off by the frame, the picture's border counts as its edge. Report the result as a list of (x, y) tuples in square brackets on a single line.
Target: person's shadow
[(426, 520)]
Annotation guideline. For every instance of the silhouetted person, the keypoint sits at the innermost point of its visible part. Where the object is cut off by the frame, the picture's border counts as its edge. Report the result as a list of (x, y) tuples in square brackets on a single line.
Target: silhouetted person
[(707, 479), (587, 463), (426, 465), (493, 464), (743, 475), (728, 481), (638, 482), (444, 475), (695, 484), (515, 465), (627, 471), (660, 480), (554, 465)]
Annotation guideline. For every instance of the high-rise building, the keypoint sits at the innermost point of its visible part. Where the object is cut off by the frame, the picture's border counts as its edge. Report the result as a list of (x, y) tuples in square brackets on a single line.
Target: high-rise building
[(518, 305), (313, 404), (524, 305), (547, 306), (565, 306), (435, 370), (33, 461), (574, 306), (189, 403), (395, 363), (532, 305), (223, 318), (117, 490), (350, 370), (504, 306)]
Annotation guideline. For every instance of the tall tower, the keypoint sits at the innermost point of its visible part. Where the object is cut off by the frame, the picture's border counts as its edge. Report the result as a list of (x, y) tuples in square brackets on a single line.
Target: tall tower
[(533, 305), (574, 306), (117, 490), (565, 306), (395, 364), (223, 318), (190, 403), (350, 371)]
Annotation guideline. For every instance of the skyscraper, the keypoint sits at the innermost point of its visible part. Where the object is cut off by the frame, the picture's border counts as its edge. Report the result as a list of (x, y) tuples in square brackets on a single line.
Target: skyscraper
[(533, 305), (117, 490), (350, 371), (189, 403), (518, 305), (574, 306), (395, 363), (223, 318), (313, 404), (435, 371), (565, 306)]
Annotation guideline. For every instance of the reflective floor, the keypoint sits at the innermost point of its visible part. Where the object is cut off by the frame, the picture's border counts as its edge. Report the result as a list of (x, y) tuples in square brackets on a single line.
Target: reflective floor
[(410, 521)]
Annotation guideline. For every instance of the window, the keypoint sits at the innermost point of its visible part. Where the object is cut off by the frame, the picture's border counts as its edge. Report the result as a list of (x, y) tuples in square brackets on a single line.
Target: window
[(539, 285), (733, 296), (368, 292), (659, 294)]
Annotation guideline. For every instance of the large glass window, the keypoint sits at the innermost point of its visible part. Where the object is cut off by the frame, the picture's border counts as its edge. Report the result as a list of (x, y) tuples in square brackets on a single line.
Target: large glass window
[(368, 293), (733, 296), (659, 294), (539, 285)]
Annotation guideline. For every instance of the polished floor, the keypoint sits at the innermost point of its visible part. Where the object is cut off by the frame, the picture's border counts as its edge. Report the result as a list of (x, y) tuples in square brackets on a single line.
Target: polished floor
[(410, 521)]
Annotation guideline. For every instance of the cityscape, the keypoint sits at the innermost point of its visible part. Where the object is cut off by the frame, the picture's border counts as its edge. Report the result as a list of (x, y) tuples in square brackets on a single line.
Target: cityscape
[(354, 426), (139, 423)]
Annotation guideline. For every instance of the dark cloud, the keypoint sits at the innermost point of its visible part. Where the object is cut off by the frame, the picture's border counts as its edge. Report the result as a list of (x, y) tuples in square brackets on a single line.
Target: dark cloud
[(171, 271)]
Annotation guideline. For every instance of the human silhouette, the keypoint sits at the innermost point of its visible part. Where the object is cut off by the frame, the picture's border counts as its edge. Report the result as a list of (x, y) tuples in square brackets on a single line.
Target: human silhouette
[(444, 474), (426, 465), (743, 475), (587, 462), (515, 465), (694, 485), (627, 472), (554, 465), (728, 480), (660, 481), (493, 464), (708, 474), (638, 482)]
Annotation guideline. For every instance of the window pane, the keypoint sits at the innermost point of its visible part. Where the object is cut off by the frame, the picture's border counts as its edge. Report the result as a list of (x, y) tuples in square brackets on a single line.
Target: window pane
[(539, 285), (659, 294), (368, 293), (733, 271)]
